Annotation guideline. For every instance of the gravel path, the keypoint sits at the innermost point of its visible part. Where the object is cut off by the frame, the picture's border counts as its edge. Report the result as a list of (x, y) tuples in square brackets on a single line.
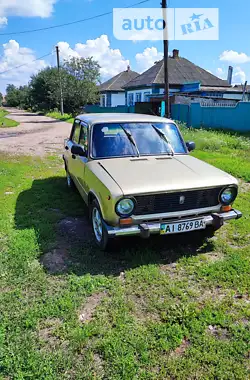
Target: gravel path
[(36, 135)]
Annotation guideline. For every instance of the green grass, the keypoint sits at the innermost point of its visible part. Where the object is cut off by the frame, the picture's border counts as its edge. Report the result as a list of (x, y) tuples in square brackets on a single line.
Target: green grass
[(153, 319), (5, 122), (57, 115), (231, 152)]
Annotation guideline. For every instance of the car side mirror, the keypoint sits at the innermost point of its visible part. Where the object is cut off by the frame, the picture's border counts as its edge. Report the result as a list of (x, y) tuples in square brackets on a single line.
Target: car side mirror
[(190, 146), (77, 150)]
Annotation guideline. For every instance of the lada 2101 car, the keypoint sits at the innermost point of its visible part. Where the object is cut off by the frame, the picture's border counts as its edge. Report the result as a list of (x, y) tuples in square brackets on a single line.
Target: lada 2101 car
[(137, 177)]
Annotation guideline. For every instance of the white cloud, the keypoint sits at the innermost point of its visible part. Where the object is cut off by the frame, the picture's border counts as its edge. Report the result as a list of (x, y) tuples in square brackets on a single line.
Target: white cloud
[(14, 55), (239, 76), (220, 73), (26, 8), (66, 51), (234, 57), (3, 22), (111, 60), (147, 59)]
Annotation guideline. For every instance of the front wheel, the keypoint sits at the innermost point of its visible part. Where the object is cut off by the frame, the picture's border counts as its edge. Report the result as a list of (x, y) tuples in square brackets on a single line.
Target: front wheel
[(98, 226)]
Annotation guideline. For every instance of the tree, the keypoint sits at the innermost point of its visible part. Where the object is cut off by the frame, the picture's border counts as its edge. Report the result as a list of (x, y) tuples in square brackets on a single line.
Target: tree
[(44, 89), (79, 77), (12, 96), (1, 98), (81, 87)]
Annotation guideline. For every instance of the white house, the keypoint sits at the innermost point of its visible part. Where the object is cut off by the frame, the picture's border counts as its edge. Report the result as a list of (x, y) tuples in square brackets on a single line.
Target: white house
[(184, 78), (112, 91)]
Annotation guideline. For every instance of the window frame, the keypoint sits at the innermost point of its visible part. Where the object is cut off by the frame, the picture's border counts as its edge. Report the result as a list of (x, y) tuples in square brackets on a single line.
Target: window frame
[(76, 122), (131, 96), (83, 124), (146, 94), (90, 152), (103, 100)]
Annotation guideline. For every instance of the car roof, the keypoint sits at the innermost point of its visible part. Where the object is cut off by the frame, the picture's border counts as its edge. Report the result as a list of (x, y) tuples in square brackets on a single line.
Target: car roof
[(94, 118)]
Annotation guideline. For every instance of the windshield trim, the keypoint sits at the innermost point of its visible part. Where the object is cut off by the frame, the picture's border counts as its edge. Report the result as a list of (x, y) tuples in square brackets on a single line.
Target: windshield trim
[(135, 155)]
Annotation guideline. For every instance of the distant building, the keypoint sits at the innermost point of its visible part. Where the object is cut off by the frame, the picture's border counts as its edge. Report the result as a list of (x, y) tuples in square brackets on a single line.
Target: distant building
[(112, 91), (184, 78)]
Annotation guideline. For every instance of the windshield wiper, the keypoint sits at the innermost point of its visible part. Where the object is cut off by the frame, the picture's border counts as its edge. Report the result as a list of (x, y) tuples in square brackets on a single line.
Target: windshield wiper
[(164, 137), (131, 139)]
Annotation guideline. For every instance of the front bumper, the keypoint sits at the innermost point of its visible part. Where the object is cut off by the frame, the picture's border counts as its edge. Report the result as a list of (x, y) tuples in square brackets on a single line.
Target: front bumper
[(146, 229)]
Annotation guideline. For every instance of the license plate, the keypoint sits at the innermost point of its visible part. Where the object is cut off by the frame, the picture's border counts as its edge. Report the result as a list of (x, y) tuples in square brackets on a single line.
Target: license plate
[(179, 227)]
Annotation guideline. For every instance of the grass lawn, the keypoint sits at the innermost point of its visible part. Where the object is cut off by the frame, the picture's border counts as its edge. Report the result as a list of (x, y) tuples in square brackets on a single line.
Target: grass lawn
[(164, 308), (57, 115), (5, 122)]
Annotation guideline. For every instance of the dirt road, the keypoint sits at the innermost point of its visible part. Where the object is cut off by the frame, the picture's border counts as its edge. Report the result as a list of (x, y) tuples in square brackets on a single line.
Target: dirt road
[(36, 135)]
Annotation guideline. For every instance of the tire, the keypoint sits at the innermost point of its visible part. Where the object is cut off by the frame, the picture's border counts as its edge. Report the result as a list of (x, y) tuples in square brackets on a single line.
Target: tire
[(99, 229), (70, 182)]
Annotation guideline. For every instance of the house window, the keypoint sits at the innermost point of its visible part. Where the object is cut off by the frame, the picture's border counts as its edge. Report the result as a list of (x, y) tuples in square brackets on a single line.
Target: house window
[(145, 96), (138, 97), (103, 101), (109, 102), (131, 99)]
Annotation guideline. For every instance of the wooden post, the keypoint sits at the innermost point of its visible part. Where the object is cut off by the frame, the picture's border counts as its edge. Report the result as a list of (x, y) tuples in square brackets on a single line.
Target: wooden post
[(166, 48)]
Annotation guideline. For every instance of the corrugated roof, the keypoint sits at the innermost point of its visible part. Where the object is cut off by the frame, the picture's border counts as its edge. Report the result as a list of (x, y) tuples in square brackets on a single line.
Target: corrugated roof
[(181, 71), (117, 82), (222, 89)]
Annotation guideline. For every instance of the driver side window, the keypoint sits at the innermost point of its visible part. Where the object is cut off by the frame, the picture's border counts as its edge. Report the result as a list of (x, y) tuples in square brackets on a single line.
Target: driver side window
[(84, 137), (76, 132)]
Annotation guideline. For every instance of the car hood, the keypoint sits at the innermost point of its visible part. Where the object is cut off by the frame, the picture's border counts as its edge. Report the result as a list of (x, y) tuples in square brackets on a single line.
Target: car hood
[(159, 174)]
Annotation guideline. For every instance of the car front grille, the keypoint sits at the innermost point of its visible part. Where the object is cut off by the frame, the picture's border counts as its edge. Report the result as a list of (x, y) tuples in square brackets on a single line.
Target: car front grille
[(173, 202)]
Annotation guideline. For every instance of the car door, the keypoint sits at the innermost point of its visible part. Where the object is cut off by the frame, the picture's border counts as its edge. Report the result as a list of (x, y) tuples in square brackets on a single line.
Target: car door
[(80, 162), (70, 158)]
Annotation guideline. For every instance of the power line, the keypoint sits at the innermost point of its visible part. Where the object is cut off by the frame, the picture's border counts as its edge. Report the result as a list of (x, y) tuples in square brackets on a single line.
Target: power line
[(24, 64), (69, 23)]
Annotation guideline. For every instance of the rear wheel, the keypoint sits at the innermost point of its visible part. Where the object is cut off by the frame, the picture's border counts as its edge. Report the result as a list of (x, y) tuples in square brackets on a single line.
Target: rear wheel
[(98, 226)]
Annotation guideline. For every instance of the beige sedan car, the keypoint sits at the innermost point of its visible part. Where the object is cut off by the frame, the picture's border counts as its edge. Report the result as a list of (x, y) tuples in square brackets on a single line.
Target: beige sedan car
[(137, 177)]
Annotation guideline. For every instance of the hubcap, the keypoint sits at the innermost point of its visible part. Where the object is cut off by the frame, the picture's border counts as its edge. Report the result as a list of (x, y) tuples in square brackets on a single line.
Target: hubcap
[(97, 224)]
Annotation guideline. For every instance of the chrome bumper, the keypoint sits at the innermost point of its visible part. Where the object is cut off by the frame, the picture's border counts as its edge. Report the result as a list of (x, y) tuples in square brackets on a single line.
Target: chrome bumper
[(145, 230)]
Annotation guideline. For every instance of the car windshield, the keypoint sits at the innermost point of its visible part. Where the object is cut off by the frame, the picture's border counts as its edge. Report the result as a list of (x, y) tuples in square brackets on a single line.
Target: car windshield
[(136, 139)]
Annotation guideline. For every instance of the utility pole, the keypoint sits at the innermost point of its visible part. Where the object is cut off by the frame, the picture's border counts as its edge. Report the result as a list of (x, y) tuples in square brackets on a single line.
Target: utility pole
[(60, 80), (166, 45)]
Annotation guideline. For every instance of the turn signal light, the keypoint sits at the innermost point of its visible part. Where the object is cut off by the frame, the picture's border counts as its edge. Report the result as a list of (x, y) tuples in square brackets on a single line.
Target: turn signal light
[(126, 222), (226, 208)]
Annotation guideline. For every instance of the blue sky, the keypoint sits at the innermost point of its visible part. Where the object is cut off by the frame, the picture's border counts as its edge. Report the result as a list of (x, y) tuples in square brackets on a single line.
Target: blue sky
[(18, 15)]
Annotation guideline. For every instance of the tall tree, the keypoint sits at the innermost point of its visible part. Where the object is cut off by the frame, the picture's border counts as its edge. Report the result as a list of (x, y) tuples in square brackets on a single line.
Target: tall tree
[(84, 75), (1, 98), (79, 77), (12, 96), (44, 89)]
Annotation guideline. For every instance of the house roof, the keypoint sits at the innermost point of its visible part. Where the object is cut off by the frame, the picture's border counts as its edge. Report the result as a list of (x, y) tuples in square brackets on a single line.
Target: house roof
[(117, 82), (235, 89), (181, 71)]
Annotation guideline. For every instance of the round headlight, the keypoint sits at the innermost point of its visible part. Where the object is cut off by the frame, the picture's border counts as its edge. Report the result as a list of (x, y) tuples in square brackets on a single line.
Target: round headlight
[(228, 195), (125, 207)]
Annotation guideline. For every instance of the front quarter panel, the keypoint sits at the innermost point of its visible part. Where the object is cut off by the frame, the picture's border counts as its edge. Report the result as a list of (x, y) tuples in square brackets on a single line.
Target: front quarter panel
[(107, 192)]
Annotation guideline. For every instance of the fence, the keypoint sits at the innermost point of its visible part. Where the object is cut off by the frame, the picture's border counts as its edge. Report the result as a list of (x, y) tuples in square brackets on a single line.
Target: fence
[(235, 118), (118, 109)]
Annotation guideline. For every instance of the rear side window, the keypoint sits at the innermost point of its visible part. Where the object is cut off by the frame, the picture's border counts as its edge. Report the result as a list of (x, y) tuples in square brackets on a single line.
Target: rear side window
[(76, 132)]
